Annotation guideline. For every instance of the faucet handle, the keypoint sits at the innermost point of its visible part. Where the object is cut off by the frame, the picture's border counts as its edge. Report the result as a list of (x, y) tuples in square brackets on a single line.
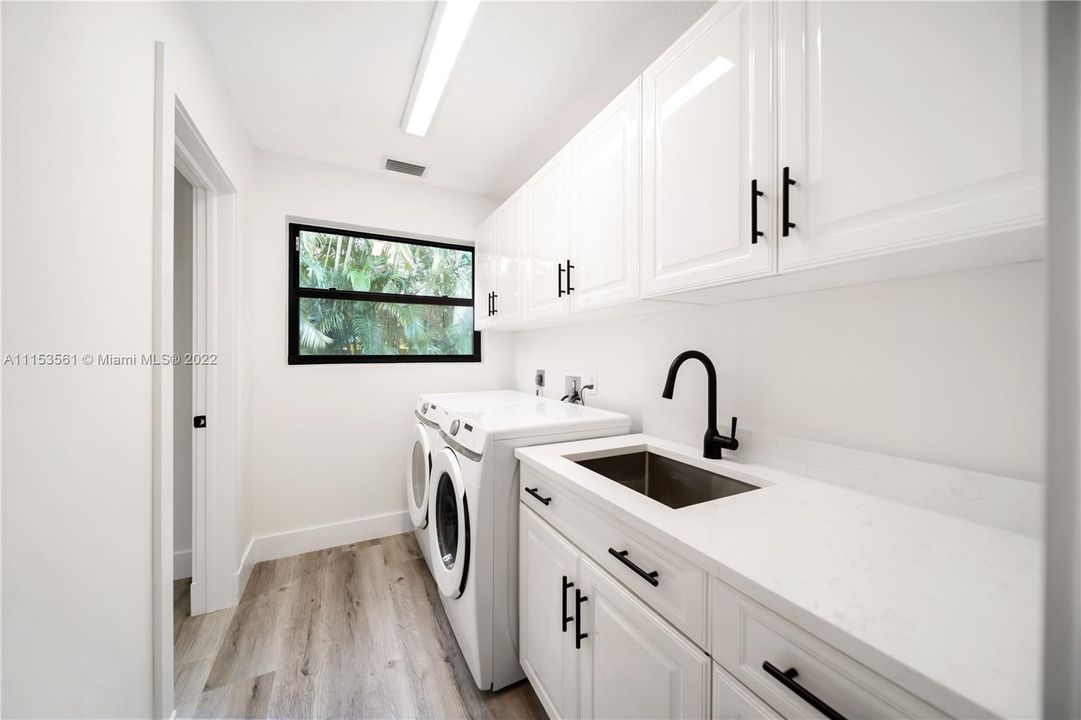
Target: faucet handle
[(733, 435)]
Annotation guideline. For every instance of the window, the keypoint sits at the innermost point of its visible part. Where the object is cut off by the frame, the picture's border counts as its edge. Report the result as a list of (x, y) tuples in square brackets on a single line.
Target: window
[(362, 297)]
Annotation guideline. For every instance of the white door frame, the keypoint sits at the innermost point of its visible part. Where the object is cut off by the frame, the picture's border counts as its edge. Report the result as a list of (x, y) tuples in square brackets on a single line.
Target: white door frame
[(180, 145)]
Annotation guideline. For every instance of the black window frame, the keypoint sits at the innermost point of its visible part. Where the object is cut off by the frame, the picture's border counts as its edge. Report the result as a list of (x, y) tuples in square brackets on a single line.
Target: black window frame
[(296, 292)]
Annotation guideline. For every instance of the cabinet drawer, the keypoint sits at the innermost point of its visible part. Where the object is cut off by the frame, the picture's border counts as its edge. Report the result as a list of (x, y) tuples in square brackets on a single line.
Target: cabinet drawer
[(677, 591), (746, 636), (732, 701)]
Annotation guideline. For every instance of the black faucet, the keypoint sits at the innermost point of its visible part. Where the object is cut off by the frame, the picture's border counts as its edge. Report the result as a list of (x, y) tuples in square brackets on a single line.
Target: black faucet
[(714, 441)]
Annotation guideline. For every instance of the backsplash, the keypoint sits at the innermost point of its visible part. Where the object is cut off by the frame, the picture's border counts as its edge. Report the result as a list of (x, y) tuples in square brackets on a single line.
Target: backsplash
[(926, 390)]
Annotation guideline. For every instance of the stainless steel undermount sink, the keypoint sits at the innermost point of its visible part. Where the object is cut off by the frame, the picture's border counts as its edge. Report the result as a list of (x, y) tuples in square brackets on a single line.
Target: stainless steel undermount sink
[(663, 479)]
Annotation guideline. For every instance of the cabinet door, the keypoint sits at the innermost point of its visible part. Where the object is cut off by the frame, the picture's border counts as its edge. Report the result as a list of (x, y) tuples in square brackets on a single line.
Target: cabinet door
[(732, 701), (549, 196), (907, 124), (484, 272), (706, 142), (547, 564), (633, 664), (511, 230), (607, 200)]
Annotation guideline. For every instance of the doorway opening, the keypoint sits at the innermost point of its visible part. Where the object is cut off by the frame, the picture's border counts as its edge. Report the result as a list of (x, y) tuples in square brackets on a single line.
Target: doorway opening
[(199, 563)]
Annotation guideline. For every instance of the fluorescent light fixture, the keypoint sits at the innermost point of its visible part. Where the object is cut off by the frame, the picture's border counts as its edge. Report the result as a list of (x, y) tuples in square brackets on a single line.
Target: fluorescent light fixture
[(701, 80), (450, 24)]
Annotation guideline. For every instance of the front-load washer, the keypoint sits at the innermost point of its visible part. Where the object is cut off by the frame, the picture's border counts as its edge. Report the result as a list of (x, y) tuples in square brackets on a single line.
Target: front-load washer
[(473, 519), (424, 442)]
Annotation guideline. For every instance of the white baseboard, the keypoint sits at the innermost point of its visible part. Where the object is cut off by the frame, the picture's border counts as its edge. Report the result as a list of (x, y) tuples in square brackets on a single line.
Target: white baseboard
[(181, 564), (243, 571), (295, 542)]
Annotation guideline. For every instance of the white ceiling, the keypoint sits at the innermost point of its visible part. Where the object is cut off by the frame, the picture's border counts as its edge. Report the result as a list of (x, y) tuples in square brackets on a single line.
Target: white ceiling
[(329, 81)]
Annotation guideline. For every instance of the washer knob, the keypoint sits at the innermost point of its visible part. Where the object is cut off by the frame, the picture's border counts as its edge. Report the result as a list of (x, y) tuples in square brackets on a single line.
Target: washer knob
[(424, 409), (454, 427)]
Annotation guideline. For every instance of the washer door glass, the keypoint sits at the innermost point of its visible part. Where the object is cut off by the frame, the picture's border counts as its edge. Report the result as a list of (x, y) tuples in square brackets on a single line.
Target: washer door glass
[(448, 536), (418, 470), (446, 521)]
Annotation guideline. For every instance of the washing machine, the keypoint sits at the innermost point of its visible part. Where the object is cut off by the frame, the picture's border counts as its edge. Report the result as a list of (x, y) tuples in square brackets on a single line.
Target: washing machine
[(473, 518), (424, 440)]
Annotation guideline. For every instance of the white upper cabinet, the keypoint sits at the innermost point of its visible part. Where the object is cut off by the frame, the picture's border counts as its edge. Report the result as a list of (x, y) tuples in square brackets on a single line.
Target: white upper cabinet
[(606, 178), (548, 245), (707, 154), (885, 139), (512, 229), (633, 664), (906, 124), (485, 276)]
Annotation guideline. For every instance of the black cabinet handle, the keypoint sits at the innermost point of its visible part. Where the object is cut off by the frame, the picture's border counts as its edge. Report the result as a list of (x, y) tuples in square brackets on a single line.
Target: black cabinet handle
[(561, 271), (649, 577), (788, 679), (786, 181), (566, 586), (534, 493), (495, 308), (490, 310), (579, 636), (755, 194), (569, 268)]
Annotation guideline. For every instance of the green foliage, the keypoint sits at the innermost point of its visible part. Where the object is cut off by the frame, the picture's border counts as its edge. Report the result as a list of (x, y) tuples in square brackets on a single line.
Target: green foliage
[(346, 327)]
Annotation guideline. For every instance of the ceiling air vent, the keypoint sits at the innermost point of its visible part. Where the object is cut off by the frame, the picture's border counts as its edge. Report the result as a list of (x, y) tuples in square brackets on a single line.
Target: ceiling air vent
[(404, 167)]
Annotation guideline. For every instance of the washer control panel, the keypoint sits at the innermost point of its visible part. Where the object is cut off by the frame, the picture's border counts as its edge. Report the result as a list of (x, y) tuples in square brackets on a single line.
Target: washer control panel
[(463, 432)]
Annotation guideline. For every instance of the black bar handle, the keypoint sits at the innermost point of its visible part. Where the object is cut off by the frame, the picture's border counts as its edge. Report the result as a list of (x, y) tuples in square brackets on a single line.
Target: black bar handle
[(649, 577), (579, 636), (489, 304), (788, 679), (566, 586), (495, 308), (786, 181), (569, 268), (755, 194), (561, 271), (534, 493)]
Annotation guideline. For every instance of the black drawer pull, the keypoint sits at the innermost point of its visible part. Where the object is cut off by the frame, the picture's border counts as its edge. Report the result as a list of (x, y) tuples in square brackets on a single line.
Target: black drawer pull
[(786, 181), (649, 577), (755, 232), (788, 679), (569, 268), (566, 586), (579, 636), (560, 278), (534, 493)]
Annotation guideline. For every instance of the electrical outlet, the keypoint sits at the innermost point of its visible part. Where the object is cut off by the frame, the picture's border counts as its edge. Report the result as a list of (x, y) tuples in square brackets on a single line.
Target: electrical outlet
[(589, 378)]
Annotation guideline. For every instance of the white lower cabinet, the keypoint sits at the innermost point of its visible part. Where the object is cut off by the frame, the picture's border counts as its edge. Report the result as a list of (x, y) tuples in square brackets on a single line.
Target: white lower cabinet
[(593, 650), (732, 701), (549, 565), (634, 664)]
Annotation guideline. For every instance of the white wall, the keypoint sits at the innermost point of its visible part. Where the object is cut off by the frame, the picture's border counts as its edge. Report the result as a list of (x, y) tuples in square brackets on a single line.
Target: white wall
[(78, 137), (947, 369), (183, 197), (328, 442)]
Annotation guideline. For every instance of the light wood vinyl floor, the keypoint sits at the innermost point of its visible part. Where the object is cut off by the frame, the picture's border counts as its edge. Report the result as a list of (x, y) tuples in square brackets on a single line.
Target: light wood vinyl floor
[(356, 631)]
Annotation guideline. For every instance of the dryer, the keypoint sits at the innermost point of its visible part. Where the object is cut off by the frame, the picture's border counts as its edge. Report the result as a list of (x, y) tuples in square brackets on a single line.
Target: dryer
[(473, 518), (424, 441)]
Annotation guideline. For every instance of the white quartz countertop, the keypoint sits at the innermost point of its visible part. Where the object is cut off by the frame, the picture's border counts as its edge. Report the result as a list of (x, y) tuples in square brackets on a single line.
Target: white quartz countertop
[(948, 609)]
